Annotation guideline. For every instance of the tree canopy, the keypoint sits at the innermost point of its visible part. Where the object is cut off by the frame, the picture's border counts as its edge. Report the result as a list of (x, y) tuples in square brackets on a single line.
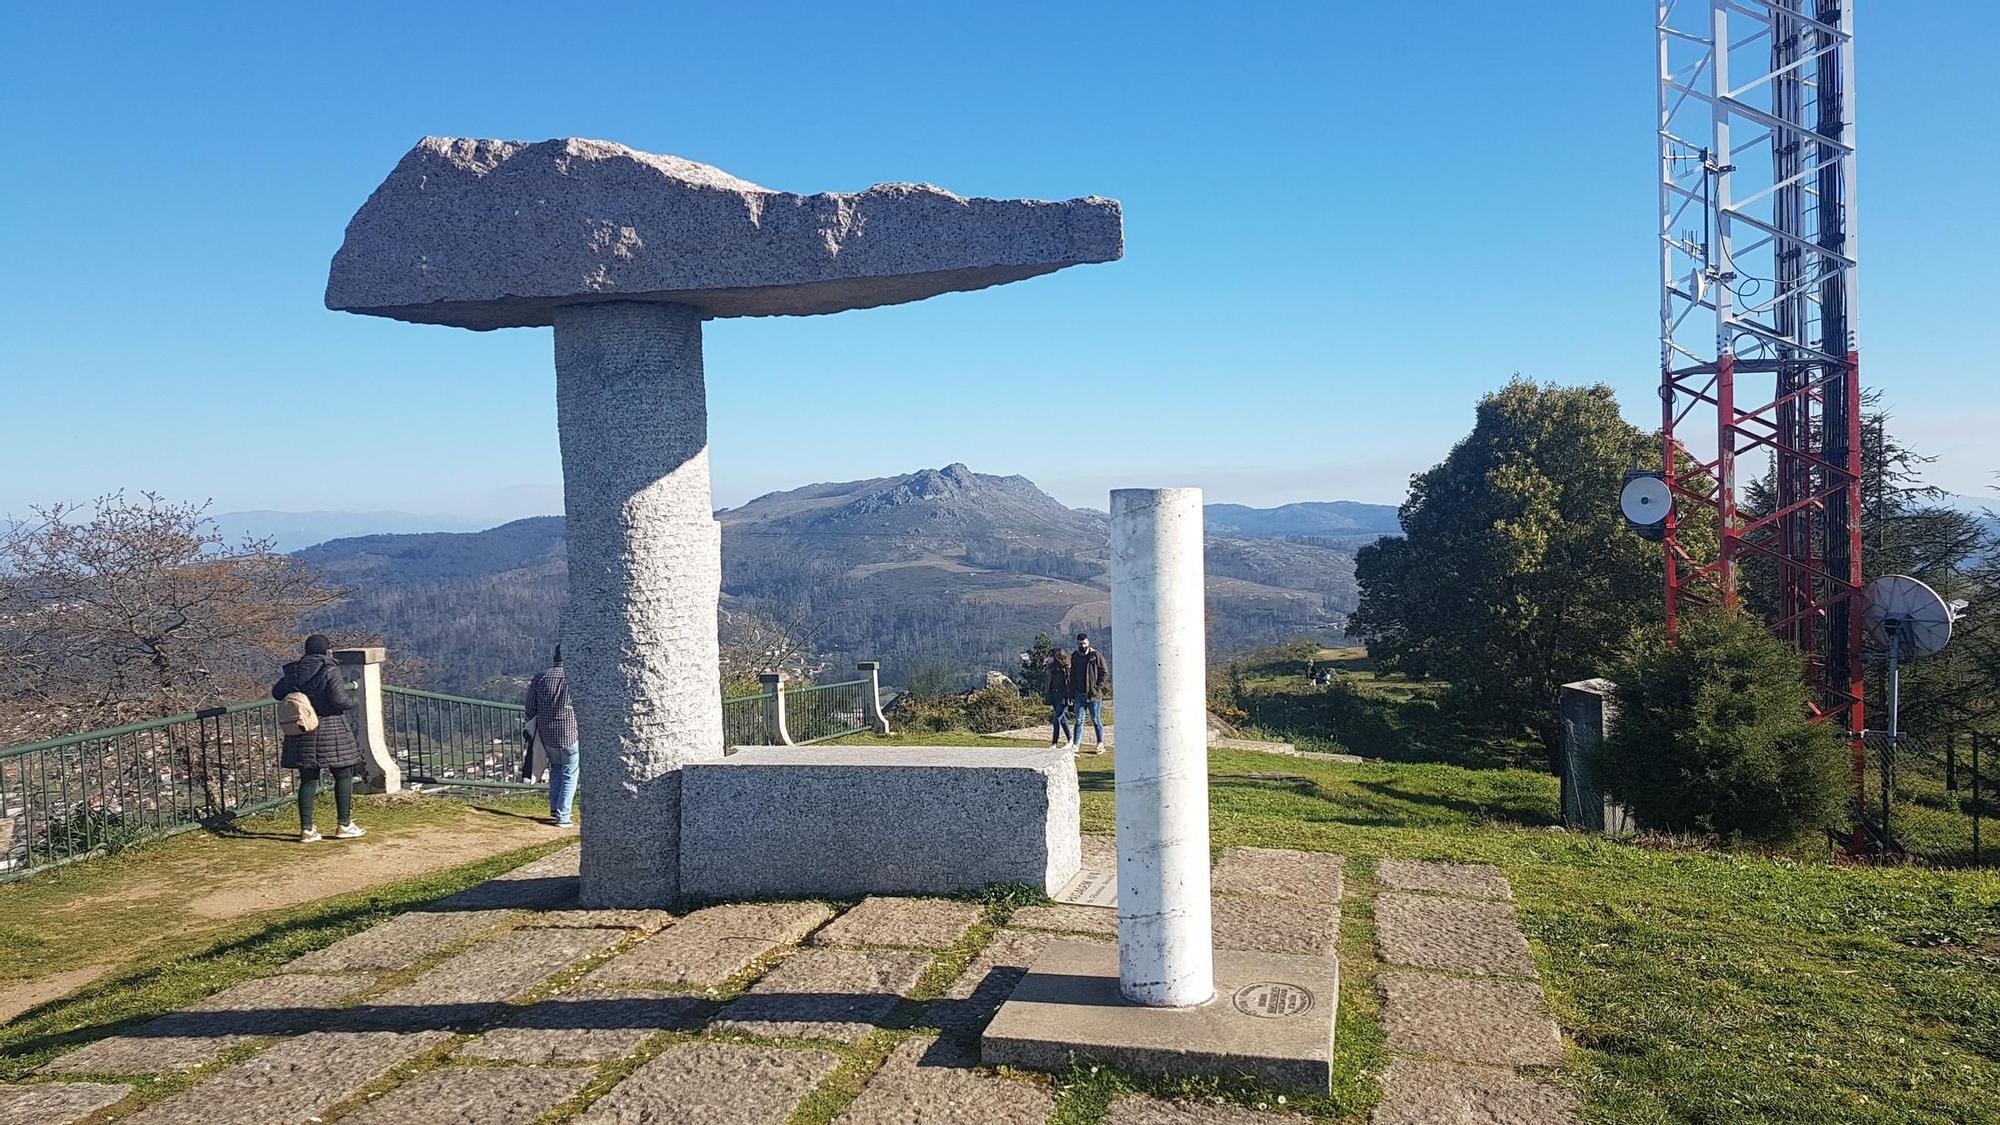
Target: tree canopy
[(1515, 572)]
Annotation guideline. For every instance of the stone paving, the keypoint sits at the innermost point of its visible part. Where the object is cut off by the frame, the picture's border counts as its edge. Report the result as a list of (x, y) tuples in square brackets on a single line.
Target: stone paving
[(1459, 1032), (544, 997)]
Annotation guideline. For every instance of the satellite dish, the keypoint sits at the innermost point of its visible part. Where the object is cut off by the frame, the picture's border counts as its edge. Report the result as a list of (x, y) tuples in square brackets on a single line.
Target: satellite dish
[(1645, 502), (1898, 606)]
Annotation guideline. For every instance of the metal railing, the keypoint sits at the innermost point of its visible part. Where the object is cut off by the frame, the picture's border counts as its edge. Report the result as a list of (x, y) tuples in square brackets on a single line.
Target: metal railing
[(440, 739), (823, 711), (65, 798), (1924, 799), (746, 721)]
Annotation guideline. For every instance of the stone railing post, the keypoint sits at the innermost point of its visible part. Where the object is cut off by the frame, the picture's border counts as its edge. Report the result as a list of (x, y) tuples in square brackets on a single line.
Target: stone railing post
[(363, 667), (774, 707), (871, 696)]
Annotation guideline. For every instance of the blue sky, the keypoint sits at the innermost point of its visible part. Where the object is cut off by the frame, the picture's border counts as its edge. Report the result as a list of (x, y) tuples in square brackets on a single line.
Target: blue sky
[(1344, 222)]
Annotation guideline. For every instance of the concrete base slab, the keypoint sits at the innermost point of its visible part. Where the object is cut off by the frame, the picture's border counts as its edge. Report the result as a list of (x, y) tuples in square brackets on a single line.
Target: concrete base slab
[(1271, 1018)]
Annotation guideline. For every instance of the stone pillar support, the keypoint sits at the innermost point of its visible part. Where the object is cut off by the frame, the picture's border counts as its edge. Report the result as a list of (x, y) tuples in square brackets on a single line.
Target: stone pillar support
[(1165, 945), (776, 734), (1589, 711), (871, 696), (645, 570), (363, 669)]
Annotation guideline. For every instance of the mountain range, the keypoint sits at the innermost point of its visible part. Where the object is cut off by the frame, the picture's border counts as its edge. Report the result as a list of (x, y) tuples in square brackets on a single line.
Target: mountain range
[(937, 567)]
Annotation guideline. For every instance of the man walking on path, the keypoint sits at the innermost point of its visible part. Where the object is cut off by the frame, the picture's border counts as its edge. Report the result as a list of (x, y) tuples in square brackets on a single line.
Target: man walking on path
[(1088, 673), (554, 720)]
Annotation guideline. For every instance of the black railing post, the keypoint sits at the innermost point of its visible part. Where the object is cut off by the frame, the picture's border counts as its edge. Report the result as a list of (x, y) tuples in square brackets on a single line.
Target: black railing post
[(1951, 762), (1977, 738)]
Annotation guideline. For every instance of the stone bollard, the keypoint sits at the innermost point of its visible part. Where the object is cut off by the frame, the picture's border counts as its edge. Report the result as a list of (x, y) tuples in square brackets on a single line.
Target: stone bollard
[(1165, 945), (775, 732), (871, 696), (1588, 714), (363, 666)]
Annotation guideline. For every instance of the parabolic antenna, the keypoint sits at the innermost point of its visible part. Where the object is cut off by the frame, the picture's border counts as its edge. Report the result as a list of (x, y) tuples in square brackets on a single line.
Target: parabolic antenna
[(1896, 604), (1645, 499)]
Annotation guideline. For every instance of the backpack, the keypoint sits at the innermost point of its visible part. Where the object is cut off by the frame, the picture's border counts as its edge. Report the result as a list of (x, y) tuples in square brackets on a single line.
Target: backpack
[(296, 715)]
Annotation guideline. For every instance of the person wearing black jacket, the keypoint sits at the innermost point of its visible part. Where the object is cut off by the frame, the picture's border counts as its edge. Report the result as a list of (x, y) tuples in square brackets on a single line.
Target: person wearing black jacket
[(330, 746), (1057, 695), (1088, 674)]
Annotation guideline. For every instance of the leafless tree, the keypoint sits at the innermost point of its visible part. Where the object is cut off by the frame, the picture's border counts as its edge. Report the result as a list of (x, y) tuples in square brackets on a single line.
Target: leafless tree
[(137, 608)]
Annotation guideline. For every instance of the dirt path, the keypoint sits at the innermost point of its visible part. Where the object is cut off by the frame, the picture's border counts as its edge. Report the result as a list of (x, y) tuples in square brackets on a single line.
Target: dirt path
[(193, 886)]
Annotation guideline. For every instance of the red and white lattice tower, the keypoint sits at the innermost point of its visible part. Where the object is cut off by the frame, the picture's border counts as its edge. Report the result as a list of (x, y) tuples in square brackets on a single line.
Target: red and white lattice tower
[(1759, 369)]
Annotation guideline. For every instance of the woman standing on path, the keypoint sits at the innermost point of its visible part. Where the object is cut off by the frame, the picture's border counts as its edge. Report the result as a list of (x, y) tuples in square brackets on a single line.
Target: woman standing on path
[(1056, 691), (330, 745)]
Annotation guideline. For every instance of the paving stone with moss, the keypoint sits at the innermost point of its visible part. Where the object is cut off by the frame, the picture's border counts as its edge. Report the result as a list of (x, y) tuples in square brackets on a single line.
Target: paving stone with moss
[(915, 923), (645, 921), (1497, 1022), (1067, 919), (1137, 1109), (473, 986), (279, 1005), (474, 1095), (714, 1084), (589, 1025), (56, 1103), (930, 1080), (1465, 935), (1422, 1093), (1278, 873), (706, 948), (826, 994), (548, 881), (295, 1080), (398, 943), (1272, 925), (968, 1005), (1467, 880)]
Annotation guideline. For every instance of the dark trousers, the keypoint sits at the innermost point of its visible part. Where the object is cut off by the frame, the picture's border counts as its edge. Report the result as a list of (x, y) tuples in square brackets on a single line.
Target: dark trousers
[(343, 792)]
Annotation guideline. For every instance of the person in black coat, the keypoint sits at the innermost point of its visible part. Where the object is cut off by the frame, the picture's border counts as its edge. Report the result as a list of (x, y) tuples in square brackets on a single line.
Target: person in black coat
[(331, 746)]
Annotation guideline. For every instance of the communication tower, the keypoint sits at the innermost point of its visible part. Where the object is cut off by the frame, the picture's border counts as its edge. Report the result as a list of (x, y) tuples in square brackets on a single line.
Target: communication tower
[(1759, 370)]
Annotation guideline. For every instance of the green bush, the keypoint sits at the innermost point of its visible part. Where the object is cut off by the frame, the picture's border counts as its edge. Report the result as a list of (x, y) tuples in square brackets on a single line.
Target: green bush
[(1712, 736), (1001, 707)]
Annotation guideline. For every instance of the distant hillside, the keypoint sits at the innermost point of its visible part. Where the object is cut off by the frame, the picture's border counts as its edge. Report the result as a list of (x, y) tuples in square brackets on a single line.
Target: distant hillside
[(939, 566), (1331, 519), (291, 531)]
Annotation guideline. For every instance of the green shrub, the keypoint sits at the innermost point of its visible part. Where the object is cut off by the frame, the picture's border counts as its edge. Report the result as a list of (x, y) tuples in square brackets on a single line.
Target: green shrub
[(1001, 707), (1712, 736)]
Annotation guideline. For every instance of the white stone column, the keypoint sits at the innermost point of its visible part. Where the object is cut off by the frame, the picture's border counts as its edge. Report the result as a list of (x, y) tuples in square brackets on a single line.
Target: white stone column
[(363, 666), (775, 733), (871, 696), (645, 570), (1165, 949)]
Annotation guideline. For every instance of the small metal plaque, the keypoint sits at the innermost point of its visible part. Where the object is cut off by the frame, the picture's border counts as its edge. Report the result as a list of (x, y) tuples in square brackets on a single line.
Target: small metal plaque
[(1090, 887), (1273, 1000)]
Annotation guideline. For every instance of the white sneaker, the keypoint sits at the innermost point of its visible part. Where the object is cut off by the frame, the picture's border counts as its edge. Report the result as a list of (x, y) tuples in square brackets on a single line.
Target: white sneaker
[(309, 836), (347, 832)]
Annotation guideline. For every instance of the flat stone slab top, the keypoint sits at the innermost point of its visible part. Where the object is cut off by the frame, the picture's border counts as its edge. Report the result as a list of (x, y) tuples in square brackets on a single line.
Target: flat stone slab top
[(911, 923), (474, 1095), (986, 983), (1271, 1018), (931, 1080), (921, 820), (496, 234), (56, 1103), (1274, 925), (826, 994), (1067, 918), (1497, 1022), (588, 1026), (1415, 1092), (398, 943), (1138, 1109), (1462, 935), (183, 1040), (471, 986), (295, 1080), (708, 947), (1467, 880), (714, 1084), (1275, 873)]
